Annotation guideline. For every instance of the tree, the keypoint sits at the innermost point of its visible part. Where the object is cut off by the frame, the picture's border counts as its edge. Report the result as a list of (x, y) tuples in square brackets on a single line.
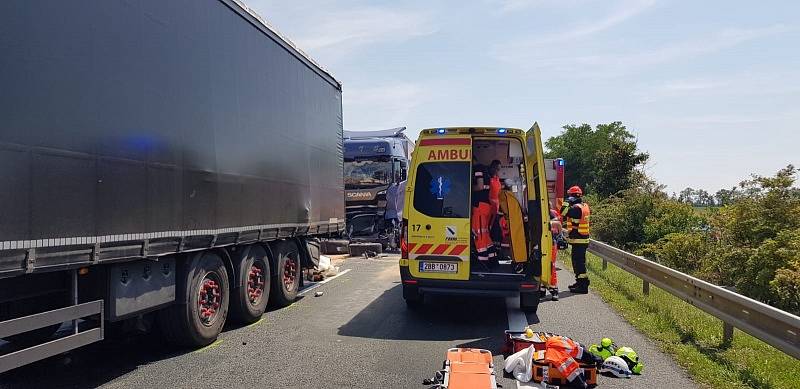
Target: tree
[(601, 160), (687, 196), (616, 167), (725, 197)]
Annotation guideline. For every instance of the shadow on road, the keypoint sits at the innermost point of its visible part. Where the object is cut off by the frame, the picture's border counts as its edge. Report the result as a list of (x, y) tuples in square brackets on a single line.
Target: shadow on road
[(476, 322), (93, 365), (99, 363)]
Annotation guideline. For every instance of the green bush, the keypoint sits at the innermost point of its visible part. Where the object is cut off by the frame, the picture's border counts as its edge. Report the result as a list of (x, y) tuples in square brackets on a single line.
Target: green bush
[(668, 217), (752, 244), (682, 251)]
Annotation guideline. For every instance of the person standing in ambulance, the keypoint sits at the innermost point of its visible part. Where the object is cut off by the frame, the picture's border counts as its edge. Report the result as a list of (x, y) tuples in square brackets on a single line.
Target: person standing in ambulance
[(576, 215), (495, 228), (482, 215)]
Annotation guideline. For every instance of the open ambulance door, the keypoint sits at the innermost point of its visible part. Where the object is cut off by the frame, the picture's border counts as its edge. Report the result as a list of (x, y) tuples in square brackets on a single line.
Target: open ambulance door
[(540, 241)]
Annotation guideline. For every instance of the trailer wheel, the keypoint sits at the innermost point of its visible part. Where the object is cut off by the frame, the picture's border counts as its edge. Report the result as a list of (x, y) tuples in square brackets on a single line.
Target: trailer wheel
[(251, 294), (286, 277), (529, 302), (198, 315)]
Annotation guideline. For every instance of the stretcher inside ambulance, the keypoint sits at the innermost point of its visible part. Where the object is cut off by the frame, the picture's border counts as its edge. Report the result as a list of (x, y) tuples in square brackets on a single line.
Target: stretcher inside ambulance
[(477, 215)]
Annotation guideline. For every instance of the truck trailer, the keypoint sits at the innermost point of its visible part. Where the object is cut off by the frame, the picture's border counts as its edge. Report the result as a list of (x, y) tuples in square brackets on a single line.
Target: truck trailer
[(372, 161), (161, 164)]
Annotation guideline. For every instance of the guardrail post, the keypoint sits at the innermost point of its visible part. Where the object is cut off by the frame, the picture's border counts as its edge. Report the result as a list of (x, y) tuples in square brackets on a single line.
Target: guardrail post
[(645, 288), (727, 333), (605, 264), (727, 329)]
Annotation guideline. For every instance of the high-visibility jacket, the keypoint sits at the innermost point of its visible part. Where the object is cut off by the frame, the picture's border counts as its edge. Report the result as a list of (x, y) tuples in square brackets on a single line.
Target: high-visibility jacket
[(562, 353), (578, 227)]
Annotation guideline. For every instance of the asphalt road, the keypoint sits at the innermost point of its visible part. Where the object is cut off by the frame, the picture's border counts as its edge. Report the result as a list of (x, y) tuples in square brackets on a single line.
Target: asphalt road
[(358, 334)]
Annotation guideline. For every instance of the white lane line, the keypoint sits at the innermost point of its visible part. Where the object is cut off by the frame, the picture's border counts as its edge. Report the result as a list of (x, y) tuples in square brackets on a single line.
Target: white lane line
[(323, 282), (516, 322)]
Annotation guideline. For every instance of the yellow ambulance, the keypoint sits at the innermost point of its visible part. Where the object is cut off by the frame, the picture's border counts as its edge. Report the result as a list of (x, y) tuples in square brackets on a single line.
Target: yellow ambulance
[(438, 249)]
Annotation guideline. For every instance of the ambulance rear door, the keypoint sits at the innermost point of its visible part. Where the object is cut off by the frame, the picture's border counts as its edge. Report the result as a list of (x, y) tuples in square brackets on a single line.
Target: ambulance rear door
[(541, 240), (439, 210)]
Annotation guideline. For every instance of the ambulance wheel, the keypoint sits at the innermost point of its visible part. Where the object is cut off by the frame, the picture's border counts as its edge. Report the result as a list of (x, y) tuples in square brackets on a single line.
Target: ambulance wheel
[(414, 299), (414, 304), (529, 302)]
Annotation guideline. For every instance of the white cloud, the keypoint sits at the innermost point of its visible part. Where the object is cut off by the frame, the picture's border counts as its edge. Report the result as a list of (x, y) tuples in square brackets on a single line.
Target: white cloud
[(383, 106), (349, 29), (715, 42), (337, 29), (556, 59), (508, 6), (627, 10)]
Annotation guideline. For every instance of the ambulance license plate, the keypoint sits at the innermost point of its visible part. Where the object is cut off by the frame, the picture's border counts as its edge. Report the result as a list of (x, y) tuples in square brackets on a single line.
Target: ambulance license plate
[(438, 267)]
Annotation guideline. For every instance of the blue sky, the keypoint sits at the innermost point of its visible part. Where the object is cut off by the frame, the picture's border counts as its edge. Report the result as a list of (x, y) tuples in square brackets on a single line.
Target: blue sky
[(711, 88)]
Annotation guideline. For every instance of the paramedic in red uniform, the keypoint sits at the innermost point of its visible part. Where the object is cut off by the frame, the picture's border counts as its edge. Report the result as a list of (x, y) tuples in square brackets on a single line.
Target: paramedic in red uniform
[(495, 228), (482, 215)]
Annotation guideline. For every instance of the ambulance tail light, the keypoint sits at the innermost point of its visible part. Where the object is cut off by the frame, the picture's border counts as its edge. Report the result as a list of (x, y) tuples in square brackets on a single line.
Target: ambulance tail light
[(403, 240)]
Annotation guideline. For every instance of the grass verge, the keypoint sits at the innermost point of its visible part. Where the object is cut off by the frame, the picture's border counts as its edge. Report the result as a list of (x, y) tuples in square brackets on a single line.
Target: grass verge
[(691, 336)]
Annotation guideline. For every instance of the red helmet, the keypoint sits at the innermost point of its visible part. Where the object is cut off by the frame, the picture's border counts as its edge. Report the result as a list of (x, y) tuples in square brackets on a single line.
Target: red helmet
[(575, 190)]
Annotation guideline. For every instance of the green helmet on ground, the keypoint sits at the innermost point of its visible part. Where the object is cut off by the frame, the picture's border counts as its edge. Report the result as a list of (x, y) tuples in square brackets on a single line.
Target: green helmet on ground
[(604, 350), (631, 358)]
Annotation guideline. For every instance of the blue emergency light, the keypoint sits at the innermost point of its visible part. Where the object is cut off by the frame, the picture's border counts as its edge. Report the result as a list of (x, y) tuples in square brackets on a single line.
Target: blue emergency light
[(440, 131), (560, 162), (501, 130)]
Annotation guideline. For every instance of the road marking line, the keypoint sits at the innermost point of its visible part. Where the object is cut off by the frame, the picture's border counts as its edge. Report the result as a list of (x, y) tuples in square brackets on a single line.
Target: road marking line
[(517, 321), (256, 323), (323, 282), (210, 346)]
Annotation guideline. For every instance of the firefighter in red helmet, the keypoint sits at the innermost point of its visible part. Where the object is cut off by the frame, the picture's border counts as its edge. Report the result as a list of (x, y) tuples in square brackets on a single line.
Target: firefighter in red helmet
[(576, 217)]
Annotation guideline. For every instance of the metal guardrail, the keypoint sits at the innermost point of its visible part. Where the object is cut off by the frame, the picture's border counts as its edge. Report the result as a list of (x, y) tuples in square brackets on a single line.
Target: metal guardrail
[(778, 328), (56, 346)]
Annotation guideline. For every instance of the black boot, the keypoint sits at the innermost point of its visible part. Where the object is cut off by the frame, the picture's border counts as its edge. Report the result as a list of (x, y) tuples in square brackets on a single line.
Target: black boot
[(581, 287), (573, 286)]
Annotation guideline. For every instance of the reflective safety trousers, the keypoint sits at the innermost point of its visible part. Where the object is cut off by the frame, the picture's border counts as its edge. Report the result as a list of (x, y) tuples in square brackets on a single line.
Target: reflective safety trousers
[(481, 219), (563, 353)]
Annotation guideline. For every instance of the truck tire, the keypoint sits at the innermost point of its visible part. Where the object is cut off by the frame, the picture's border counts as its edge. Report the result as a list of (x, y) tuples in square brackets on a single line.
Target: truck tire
[(203, 296), (286, 274), (529, 302), (251, 292), (335, 246), (368, 249)]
